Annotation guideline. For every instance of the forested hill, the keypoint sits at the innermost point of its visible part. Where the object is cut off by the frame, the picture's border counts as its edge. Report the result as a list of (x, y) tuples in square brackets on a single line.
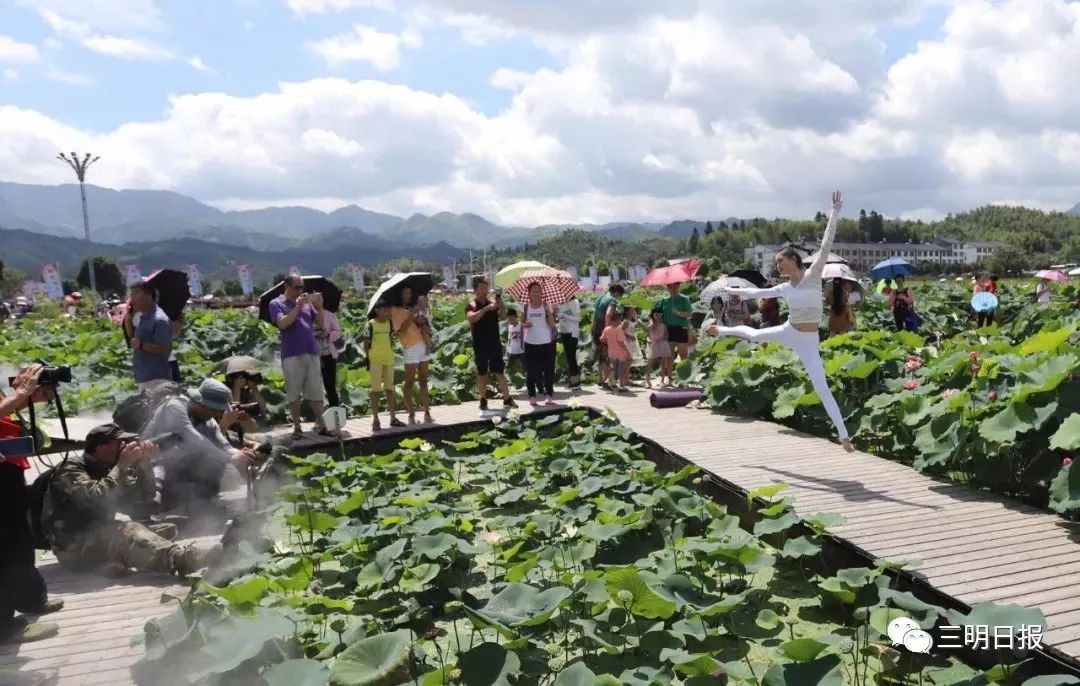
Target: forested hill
[(1035, 238)]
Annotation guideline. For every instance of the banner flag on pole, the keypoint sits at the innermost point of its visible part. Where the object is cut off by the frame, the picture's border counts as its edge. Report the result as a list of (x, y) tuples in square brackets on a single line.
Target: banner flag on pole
[(50, 273), (592, 273), (194, 280), (572, 271), (448, 277), (357, 274), (614, 273), (132, 275), (243, 272)]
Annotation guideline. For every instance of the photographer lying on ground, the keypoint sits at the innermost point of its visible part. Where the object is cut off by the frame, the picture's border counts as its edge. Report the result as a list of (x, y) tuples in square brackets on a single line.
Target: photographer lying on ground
[(191, 467), (79, 512), (21, 587)]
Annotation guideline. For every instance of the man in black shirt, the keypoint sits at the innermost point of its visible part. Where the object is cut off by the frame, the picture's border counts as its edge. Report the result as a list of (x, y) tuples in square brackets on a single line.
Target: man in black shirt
[(484, 316)]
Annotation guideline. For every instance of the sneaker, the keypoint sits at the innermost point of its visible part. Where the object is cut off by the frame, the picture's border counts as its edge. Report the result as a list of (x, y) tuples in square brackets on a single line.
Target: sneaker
[(623, 389), (187, 560), (509, 403), (20, 630), (483, 404), (165, 530), (48, 607)]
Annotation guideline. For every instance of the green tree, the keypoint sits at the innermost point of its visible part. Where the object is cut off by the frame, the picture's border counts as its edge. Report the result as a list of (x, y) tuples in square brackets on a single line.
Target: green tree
[(708, 228), (1008, 260), (108, 275), (694, 241), (231, 288), (602, 268), (69, 286)]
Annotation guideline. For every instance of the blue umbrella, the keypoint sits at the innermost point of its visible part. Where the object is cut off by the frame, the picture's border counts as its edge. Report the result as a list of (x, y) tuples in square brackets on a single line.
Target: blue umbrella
[(891, 268), (984, 302)]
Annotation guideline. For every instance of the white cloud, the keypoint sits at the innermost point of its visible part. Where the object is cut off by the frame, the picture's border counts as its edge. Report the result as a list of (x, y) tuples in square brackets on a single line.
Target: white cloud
[(197, 64), (121, 16), (661, 110), (302, 7), (366, 44), (10, 75), (126, 48), (14, 52), (69, 78)]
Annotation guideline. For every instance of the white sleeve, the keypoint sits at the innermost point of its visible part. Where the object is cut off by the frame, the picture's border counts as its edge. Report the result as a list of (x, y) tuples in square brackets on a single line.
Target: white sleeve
[(774, 292), (818, 266)]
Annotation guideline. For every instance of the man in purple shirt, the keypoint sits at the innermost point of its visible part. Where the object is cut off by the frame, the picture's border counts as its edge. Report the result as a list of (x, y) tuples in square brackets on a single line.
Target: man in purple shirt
[(295, 318)]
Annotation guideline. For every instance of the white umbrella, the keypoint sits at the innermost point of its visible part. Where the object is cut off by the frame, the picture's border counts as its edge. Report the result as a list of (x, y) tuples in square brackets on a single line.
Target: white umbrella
[(839, 271), (1074, 272), (714, 289)]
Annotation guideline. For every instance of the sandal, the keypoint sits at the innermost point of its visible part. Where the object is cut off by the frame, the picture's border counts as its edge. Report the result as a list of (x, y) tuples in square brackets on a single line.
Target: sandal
[(397, 423), (376, 427), (297, 433), (329, 433), (428, 419)]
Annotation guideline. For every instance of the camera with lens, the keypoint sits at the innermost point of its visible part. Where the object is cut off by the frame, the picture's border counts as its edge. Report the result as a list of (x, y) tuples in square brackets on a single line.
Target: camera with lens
[(163, 442), (50, 376), (252, 410)]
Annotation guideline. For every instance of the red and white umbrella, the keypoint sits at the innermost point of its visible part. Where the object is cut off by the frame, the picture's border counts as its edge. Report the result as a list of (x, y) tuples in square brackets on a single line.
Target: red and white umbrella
[(1053, 275), (556, 286), (682, 272)]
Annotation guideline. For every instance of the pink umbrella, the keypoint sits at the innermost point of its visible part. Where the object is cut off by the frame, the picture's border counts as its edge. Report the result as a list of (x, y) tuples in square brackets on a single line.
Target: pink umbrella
[(556, 286), (676, 273), (1053, 275)]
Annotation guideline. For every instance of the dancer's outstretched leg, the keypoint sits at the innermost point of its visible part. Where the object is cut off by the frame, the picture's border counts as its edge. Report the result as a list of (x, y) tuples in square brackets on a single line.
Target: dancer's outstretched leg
[(806, 347), (772, 334)]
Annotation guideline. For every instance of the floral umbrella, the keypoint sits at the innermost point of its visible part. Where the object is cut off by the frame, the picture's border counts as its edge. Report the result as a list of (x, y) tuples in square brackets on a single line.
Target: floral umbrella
[(682, 272), (1052, 275), (716, 287)]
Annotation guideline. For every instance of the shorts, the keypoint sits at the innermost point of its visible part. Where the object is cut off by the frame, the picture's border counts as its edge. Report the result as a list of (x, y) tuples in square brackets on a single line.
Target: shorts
[(489, 359), (417, 353), (382, 378), (598, 345), (303, 379), (618, 367), (678, 334)]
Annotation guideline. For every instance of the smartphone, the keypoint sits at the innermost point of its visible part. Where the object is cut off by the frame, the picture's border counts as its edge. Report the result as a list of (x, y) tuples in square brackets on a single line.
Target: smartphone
[(17, 447)]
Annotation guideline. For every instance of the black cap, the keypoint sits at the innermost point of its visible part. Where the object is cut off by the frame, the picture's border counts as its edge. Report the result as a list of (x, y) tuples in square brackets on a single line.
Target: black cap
[(106, 433)]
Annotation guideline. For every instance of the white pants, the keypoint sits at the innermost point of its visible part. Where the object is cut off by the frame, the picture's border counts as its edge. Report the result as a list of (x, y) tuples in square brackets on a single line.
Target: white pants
[(805, 345)]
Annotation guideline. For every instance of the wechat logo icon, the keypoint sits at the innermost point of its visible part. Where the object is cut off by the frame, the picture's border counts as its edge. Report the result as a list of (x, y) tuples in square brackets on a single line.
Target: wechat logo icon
[(904, 631)]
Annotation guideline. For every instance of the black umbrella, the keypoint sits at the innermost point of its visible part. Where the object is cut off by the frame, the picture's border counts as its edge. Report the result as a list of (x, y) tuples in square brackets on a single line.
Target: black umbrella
[(312, 284), (172, 291), (752, 275), (420, 283)]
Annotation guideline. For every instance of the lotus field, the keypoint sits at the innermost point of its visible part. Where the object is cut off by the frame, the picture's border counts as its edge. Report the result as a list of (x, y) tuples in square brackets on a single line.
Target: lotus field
[(546, 551)]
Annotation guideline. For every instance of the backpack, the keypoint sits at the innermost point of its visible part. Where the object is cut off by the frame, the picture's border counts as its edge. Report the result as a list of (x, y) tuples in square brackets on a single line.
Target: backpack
[(135, 411), (36, 502)]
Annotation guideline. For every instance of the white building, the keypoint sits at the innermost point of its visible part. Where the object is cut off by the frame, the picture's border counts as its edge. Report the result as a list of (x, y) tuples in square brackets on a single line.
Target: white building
[(863, 256)]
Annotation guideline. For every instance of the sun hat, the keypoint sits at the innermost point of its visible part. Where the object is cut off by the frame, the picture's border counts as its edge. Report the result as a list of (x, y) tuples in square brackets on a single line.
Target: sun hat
[(212, 394)]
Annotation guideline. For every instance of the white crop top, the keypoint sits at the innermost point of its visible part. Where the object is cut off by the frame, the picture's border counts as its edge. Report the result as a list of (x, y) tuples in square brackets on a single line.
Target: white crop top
[(804, 298)]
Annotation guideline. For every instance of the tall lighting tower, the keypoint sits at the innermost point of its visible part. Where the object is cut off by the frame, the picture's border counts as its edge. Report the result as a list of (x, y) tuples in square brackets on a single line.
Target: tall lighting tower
[(80, 167)]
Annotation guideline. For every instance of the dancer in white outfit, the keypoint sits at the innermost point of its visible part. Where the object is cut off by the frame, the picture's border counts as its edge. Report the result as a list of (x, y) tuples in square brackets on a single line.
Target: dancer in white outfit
[(800, 333)]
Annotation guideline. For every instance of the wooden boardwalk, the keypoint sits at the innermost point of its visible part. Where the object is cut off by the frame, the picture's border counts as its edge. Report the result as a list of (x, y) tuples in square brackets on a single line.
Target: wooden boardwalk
[(972, 546)]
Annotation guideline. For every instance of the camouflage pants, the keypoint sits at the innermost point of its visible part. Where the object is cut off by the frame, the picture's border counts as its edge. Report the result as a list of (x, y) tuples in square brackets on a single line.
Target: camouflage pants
[(124, 543)]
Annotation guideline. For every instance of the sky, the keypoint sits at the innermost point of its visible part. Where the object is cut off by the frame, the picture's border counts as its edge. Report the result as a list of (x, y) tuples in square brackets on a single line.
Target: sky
[(552, 111)]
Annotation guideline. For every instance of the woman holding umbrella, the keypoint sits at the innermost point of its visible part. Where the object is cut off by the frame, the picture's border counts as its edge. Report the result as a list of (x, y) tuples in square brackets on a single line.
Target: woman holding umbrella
[(800, 333), (407, 323), (538, 323)]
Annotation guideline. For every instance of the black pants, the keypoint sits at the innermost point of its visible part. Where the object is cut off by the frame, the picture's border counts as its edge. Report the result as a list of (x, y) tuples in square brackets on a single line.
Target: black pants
[(329, 380), (569, 346), (900, 318), (174, 367), (21, 587), (540, 369), (191, 480), (984, 318)]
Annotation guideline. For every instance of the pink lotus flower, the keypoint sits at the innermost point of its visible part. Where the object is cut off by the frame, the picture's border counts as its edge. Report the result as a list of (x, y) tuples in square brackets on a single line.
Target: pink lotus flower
[(1066, 462), (913, 364), (993, 396), (911, 384), (975, 368), (974, 355), (949, 392)]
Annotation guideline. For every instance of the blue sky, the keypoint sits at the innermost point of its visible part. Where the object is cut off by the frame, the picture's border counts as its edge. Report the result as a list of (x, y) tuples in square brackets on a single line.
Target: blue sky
[(604, 110), (249, 47)]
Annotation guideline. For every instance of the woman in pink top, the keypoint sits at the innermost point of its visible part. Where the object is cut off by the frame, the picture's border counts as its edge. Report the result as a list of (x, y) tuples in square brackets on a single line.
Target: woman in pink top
[(327, 336)]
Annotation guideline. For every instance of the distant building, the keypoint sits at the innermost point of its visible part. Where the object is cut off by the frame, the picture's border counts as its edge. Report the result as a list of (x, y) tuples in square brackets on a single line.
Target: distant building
[(863, 256)]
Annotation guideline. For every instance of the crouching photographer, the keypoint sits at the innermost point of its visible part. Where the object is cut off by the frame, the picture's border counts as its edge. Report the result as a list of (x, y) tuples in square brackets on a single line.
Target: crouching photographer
[(78, 514), (22, 589), (190, 471)]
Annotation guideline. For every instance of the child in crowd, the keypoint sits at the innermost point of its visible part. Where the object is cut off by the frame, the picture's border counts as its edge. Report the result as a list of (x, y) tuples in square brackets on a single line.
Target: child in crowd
[(380, 353), (630, 327), (659, 350), (515, 342), (422, 317), (614, 337)]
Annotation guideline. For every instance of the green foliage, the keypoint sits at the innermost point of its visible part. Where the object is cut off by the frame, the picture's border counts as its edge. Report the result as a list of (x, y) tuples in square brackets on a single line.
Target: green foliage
[(601, 569), (107, 274)]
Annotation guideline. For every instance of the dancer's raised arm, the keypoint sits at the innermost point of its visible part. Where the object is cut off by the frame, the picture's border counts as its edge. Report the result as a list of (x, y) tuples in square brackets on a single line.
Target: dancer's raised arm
[(815, 270), (774, 292)]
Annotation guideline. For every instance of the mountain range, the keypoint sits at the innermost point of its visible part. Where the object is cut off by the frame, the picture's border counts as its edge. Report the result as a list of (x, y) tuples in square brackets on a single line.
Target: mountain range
[(152, 227)]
